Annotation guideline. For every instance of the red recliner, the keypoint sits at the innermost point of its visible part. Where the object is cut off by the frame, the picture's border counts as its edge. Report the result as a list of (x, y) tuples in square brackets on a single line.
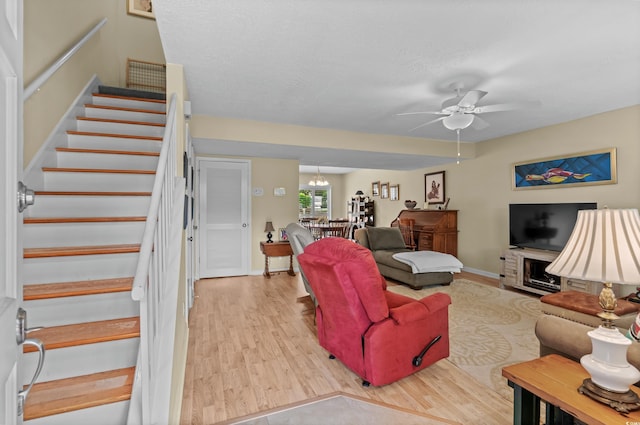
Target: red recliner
[(379, 335)]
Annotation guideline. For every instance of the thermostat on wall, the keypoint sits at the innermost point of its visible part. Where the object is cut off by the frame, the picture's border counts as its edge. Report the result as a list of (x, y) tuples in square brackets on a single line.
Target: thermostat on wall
[(258, 191), (279, 191)]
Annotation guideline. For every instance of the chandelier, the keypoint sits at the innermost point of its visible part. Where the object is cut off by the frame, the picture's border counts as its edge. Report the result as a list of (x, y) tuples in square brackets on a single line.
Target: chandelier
[(318, 180)]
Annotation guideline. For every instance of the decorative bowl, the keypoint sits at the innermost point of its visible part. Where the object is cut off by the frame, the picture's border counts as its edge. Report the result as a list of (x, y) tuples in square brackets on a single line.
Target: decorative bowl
[(410, 204)]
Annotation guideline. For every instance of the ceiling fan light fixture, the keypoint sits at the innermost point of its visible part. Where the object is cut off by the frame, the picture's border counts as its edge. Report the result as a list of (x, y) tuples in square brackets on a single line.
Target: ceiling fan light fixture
[(458, 121)]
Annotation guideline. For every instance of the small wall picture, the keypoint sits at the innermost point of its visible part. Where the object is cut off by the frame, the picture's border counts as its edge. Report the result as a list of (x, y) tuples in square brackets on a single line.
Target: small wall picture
[(394, 192), (375, 189), (434, 188), (283, 234), (140, 8), (384, 190)]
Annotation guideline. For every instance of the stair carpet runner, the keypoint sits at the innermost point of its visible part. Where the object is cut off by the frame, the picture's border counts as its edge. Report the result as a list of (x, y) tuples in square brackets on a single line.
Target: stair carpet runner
[(81, 241)]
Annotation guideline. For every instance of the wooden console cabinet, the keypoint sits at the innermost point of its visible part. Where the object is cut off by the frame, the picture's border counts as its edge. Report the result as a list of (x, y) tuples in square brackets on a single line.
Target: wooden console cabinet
[(515, 271), (433, 230)]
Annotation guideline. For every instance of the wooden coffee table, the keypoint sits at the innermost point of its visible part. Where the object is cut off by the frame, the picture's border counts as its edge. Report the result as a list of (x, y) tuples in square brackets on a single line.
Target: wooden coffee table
[(555, 380)]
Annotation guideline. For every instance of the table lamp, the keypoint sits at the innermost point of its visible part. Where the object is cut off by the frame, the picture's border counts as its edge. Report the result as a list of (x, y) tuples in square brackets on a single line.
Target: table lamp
[(268, 227), (605, 247)]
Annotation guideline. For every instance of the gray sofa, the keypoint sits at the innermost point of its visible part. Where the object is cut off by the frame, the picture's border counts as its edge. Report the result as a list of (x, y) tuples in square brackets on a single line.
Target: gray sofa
[(386, 241), (562, 330)]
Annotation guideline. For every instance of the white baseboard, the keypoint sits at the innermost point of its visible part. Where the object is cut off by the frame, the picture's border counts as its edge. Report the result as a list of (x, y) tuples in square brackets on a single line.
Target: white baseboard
[(481, 272)]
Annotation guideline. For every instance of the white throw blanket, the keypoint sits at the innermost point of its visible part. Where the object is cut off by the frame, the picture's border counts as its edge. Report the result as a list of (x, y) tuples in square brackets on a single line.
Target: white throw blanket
[(429, 261)]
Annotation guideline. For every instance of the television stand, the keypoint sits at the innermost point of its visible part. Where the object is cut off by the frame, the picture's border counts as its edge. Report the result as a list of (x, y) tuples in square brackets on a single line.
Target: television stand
[(523, 268)]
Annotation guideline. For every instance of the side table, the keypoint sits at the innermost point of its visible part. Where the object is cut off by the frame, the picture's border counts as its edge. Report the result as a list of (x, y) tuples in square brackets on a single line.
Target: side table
[(555, 380), (276, 249)]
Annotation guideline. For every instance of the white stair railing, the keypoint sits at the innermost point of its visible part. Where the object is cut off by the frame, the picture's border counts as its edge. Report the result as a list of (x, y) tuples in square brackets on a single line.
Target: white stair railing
[(155, 281), (42, 78)]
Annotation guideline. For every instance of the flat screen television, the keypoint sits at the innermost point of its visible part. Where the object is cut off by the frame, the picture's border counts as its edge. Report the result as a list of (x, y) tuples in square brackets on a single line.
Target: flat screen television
[(543, 226)]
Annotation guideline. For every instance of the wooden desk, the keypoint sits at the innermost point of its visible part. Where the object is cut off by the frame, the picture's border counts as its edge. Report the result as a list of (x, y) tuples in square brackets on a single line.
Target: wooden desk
[(555, 380), (276, 249)]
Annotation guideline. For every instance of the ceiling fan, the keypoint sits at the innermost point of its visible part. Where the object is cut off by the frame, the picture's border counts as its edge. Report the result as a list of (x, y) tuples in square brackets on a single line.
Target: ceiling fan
[(461, 111)]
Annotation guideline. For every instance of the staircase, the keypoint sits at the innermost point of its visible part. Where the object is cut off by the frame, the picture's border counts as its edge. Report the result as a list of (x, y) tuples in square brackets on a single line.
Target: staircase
[(81, 244)]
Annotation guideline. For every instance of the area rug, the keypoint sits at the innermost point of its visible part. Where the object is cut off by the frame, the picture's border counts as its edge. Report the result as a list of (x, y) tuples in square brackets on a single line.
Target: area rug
[(339, 409), (489, 328)]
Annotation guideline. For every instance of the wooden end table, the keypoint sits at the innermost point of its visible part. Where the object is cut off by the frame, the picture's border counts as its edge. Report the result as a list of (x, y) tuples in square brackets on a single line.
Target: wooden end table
[(276, 249), (555, 380)]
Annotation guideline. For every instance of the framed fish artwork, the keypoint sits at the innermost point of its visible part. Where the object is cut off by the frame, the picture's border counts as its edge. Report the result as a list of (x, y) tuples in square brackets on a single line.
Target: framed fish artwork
[(582, 169)]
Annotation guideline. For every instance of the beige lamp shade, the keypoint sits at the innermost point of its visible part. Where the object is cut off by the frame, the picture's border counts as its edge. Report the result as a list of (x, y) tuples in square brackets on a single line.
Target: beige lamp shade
[(603, 247), (268, 227)]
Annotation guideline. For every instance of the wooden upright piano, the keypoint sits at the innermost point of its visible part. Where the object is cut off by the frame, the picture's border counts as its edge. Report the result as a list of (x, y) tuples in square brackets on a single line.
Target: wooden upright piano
[(433, 230)]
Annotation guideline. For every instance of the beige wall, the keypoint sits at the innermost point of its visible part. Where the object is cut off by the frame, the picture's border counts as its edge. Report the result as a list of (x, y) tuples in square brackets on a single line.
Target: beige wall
[(53, 27), (281, 210), (207, 127), (481, 189)]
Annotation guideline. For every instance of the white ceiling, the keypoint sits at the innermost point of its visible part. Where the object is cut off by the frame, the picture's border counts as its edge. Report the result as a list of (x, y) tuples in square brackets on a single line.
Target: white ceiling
[(354, 64)]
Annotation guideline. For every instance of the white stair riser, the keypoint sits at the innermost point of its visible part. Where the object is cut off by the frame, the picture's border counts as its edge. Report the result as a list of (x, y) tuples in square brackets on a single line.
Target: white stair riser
[(88, 308), (119, 128), (88, 206), (81, 267), (129, 103), (108, 161), (120, 143), (98, 182), (79, 360), (118, 114), (108, 414), (81, 234)]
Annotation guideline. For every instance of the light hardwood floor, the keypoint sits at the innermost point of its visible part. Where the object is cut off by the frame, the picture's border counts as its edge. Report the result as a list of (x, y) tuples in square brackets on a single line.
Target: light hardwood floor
[(252, 347)]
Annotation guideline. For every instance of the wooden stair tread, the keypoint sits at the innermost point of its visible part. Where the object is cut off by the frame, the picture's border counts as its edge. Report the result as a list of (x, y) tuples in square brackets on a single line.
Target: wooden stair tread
[(86, 193), (81, 392), (120, 108), (141, 99), (116, 121), (48, 220), (72, 289), (85, 333), (95, 170), (66, 251), (124, 136), (107, 151)]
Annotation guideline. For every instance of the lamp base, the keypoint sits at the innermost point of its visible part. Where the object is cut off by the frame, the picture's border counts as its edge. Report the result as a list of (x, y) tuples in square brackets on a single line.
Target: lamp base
[(269, 236), (621, 402)]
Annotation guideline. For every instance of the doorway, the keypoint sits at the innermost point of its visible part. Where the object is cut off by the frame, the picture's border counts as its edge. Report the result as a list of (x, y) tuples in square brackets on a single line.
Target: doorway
[(223, 217)]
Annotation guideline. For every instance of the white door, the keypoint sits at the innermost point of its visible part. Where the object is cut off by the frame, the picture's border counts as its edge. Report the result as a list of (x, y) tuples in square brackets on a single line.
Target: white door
[(10, 219), (223, 225)]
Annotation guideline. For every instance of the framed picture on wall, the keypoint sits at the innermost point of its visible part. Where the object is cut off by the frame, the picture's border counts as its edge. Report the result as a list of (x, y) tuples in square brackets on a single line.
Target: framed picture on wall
[(375, 189), (434, 188), (140, 8), (394, 192), (581, 169), (384, 190)]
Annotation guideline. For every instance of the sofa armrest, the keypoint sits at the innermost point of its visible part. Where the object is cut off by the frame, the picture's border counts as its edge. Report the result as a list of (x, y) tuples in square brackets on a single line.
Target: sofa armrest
[(414, 311), (437, 301), (571, 340), (408, 313)]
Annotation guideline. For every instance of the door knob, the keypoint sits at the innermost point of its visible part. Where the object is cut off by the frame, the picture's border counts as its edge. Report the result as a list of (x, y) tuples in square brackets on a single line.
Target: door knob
[(26, 197)]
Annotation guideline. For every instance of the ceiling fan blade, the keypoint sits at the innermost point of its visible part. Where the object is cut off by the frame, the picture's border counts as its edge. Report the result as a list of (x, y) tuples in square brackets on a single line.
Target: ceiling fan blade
[(506, 106), (426, 124), (471, 98), (423, 112), (478, 123)]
